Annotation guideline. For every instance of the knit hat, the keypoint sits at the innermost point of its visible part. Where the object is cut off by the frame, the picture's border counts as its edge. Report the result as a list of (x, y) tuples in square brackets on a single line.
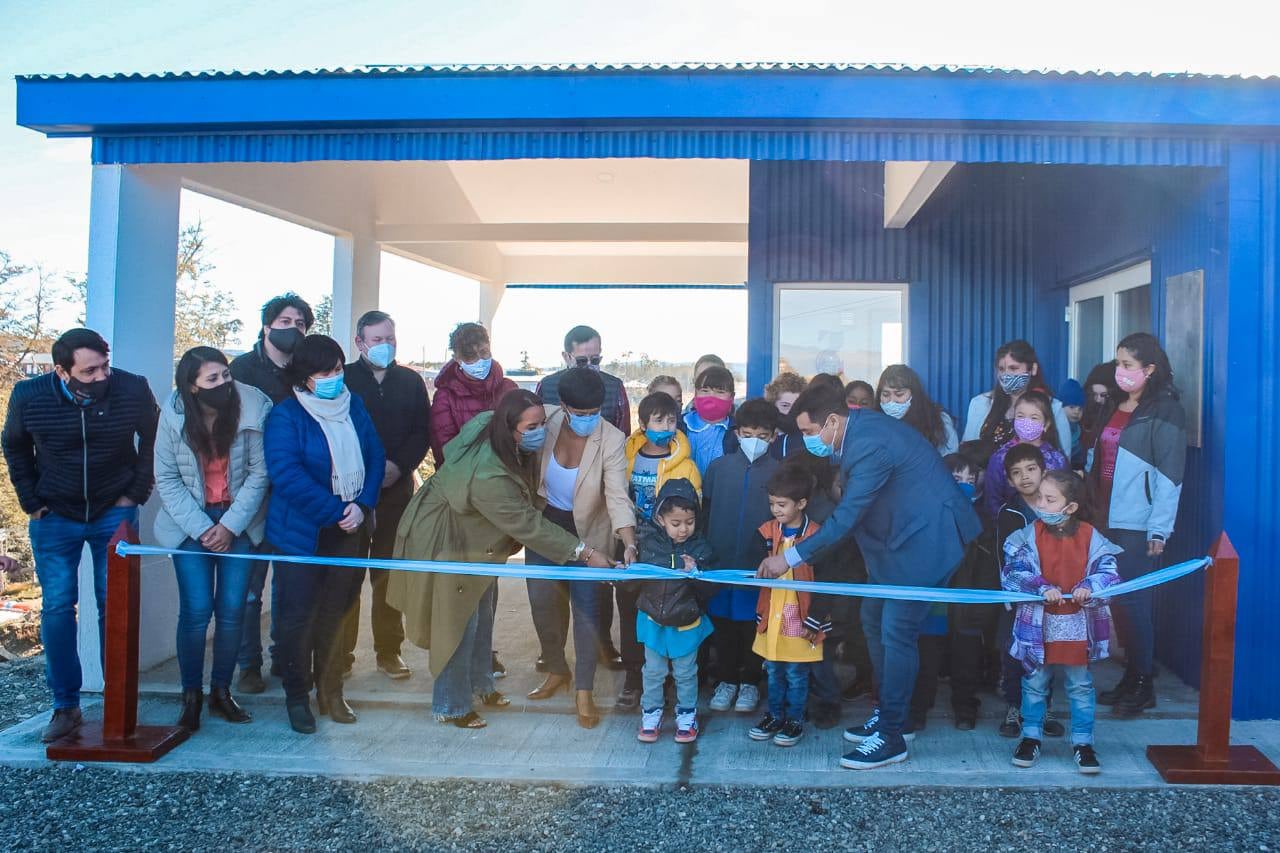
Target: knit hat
[(1070, 393)]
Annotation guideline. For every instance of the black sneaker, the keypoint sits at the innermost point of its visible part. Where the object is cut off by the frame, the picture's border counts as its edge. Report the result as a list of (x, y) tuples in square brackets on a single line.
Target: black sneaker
[(875, 751), (768, 726), (857, 734), (1087, 759), (789, 734), (1026, 753)]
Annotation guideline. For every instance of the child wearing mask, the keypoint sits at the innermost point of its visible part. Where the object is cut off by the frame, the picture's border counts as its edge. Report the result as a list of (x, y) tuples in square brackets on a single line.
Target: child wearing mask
[(672, 622), (657, 452), (1069, 563), (1033, 423), (860, 395), (789, 633), (710, 425), (735, 503)]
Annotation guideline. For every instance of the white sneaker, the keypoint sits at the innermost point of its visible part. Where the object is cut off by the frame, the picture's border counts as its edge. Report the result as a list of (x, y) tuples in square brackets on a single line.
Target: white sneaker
[(748, 699), (722, 699)]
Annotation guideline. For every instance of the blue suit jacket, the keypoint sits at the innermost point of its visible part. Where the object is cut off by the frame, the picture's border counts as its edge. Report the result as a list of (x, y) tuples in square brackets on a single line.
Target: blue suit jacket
[(299, 467), (907, 515)]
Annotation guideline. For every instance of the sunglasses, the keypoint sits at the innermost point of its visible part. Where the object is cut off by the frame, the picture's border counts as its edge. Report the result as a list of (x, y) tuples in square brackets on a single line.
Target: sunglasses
[(584, 360)]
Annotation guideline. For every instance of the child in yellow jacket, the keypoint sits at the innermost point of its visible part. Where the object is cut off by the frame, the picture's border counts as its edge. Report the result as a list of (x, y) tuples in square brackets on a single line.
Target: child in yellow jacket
[(658, 452)]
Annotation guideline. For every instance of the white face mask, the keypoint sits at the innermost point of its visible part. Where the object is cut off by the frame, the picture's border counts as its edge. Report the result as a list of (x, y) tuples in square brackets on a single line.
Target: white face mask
[(381, 355), (753, 448)]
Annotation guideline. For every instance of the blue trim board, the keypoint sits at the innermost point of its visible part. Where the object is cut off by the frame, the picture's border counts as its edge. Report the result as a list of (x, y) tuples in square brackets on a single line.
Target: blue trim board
[(89, 106), (626, 287)]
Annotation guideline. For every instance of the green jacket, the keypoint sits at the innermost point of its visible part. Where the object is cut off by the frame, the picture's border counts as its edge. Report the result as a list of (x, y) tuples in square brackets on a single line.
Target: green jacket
[(474, 510)]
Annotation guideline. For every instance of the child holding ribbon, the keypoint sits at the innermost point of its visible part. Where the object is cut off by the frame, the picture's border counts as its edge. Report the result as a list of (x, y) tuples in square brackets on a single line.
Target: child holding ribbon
[(1068, 562)]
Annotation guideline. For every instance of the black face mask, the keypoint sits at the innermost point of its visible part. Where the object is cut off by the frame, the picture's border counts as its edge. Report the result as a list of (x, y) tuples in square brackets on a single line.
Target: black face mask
[(218, 398), (286, 340), (87, 393)]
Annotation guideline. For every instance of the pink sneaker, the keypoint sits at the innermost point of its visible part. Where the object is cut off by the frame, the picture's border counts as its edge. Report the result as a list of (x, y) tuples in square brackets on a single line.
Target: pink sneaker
[(686, 726), (650, 725)]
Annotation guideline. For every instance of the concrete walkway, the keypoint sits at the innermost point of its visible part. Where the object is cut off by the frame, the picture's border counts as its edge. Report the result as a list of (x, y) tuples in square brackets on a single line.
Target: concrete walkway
[(540, 741)]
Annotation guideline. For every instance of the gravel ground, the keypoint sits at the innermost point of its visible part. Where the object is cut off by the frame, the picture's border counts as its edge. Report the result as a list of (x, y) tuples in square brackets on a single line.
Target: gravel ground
[(91, 808)]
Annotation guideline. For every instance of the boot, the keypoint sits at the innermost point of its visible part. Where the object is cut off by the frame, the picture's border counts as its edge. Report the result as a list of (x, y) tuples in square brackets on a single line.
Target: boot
[(64, 722), (588, 714), (1123, 686), (1138, 699), (189, 718), (300, 717), (251, 680), (222, 703), (333, 703)]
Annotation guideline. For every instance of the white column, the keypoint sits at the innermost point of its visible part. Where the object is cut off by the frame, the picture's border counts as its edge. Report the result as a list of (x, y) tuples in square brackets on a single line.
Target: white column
[(491, 293), (357, 268), (133, 252)]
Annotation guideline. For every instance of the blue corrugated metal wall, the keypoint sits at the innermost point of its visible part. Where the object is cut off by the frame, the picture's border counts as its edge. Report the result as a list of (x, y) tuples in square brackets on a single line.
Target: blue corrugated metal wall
[(991, 256)]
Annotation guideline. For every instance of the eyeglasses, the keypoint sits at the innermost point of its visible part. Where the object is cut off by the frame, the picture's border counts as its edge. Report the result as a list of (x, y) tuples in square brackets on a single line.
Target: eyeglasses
[(584, 360)]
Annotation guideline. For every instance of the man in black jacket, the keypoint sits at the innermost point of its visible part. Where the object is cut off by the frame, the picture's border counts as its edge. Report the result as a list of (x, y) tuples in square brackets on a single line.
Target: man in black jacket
[(79, 444), (396, 398), (286, 320)]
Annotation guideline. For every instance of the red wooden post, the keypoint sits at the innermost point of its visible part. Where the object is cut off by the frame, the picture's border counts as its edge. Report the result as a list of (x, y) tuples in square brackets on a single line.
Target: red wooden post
[(118, 737), (1213, 761)]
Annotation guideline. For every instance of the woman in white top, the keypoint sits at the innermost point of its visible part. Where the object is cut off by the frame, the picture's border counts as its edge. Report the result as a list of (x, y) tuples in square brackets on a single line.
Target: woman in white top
[(990, 416), (584, 480), (901, 395)]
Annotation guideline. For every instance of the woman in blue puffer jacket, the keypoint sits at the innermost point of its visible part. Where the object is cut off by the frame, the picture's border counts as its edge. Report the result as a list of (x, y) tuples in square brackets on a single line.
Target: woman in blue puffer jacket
[(326, 465)]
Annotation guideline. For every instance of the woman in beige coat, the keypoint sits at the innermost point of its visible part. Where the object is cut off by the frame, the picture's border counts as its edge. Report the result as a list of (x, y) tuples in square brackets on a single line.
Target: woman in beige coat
[(480, 508), (584, 482)]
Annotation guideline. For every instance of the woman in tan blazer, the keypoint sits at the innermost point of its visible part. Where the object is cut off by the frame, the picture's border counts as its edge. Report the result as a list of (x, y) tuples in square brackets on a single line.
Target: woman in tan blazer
[(584, 481)]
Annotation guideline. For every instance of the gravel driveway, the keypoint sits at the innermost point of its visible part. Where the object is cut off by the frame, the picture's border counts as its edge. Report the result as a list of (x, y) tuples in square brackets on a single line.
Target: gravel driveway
[(91, 808)]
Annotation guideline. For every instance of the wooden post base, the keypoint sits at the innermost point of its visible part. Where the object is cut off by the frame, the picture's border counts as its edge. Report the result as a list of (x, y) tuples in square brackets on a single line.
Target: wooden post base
[(87, 743), (1185, 765)]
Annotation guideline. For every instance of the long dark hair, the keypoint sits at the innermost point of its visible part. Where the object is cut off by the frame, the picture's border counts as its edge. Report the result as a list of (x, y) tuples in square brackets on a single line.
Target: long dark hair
[(1105, 375), (215, 443), (1147, 350), (925, 415), (498, 435), (1023, 353), (1044, 403)]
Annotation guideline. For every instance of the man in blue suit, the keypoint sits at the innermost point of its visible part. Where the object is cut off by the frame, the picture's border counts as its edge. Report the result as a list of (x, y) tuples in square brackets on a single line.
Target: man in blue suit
[(912, 524)]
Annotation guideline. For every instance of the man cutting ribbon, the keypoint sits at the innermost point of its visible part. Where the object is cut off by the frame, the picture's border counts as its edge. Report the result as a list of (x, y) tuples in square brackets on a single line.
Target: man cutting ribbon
[(911, 522)]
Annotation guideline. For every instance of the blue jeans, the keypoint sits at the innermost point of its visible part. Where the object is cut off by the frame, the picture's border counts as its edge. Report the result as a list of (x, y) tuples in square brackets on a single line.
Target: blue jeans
[(788, 688), (683, 669), (210, 585), (469, 673), (1137, 627), (893, 630), (57, 544), (251, 634), (1080, 696)]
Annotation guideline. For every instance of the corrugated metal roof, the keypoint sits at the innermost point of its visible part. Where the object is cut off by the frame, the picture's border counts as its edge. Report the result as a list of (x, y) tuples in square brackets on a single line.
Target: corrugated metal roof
[(641, 67)]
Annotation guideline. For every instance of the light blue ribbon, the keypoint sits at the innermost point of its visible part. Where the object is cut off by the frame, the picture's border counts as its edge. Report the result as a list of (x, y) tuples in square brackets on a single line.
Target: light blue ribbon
[(645, 572)]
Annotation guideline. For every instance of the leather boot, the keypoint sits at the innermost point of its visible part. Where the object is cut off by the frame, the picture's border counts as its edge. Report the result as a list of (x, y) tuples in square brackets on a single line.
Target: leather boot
[(335, 705), (300, 717), (189, 718), (222, 703), (1123, 686), (549, 686), (1140, 698), (588, 714)]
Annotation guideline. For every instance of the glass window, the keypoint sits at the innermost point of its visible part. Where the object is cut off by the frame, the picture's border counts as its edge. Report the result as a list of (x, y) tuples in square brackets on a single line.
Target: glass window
[(850, 331), (1133, 311), (1103, 311), (1090, 335)]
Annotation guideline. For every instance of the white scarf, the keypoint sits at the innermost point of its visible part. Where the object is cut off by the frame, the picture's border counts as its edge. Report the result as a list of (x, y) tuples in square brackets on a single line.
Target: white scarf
[(334, 417)]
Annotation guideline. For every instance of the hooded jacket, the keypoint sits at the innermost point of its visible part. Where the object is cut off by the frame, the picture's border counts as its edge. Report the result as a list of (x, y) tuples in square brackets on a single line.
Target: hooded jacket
[(678, 465), (1150, 464), (459, 398), (676, 603)]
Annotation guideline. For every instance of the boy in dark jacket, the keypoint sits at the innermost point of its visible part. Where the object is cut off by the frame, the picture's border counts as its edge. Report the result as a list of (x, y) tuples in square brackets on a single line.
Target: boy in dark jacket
[(672, 624), (735, 504)]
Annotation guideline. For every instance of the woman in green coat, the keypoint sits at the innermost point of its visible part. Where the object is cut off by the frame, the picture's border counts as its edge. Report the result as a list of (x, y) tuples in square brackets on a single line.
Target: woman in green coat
[(480, 508)]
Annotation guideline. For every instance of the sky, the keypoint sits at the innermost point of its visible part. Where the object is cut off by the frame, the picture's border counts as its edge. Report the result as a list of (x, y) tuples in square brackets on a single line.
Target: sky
[(44, 184)]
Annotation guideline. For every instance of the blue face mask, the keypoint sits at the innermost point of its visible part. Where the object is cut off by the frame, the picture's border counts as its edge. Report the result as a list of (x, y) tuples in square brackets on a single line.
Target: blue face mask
[(753, 448), (1015, 383), (381, 356), (894, 409), (532, 441), (1053, 519), (329, 387), (584, 425), (660, 437), (969, 489), (815, 445), (477, 369)]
